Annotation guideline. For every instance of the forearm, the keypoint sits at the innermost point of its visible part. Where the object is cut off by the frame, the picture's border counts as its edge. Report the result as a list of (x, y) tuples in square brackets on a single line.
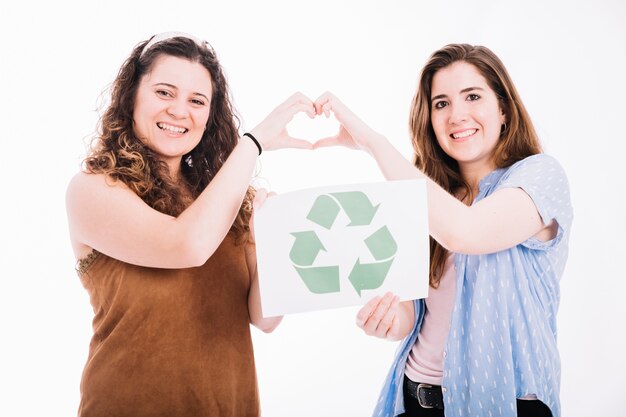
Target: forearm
[(205, 223), (475, 229), (392, 164), (266, 324), (441, 204)]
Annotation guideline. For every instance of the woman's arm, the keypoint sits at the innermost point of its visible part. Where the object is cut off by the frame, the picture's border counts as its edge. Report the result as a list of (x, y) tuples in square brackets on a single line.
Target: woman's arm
[(112, 219), (502, 220), (267, 324)]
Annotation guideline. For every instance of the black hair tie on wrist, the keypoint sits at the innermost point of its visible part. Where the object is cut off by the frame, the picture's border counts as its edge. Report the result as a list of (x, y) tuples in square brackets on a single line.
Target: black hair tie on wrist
[(256, 142)]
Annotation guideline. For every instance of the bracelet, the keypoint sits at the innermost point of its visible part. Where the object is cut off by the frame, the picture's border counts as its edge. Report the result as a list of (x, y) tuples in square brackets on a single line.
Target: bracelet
[(256, 142)]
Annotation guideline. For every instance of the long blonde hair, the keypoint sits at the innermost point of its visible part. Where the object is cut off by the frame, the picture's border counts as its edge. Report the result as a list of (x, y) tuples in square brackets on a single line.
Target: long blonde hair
[(518, 139)]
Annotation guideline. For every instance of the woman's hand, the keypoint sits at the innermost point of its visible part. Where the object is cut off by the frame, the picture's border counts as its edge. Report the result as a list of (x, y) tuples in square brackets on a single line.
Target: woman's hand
[(272, 131), (353, 132), (386, 317)]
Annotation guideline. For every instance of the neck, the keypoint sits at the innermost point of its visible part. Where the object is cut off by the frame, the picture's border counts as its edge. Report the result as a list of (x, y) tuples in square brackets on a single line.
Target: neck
[(174, 169), (473, 173)]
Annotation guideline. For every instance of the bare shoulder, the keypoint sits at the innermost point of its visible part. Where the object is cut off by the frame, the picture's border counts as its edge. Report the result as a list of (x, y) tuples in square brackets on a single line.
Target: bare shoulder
[(91, 201), (87, 188), (85, 181)]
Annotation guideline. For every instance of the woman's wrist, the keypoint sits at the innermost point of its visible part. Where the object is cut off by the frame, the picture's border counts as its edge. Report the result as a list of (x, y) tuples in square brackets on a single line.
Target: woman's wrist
[(261, 136), (248, 143), (255, 141)]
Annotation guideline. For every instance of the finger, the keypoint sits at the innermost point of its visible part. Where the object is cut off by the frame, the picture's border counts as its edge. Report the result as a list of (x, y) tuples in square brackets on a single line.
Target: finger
[(327, 108), (297, 143), (324, 97), (385, 326), (318, 108), (393, 329), (294, 98), (297, 107), (377, 315), (322, 107), (301, 98), (297, 99), (366, 311)]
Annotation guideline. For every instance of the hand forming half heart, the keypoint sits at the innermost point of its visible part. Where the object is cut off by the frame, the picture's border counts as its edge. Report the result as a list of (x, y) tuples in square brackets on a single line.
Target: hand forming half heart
[(353, 132)]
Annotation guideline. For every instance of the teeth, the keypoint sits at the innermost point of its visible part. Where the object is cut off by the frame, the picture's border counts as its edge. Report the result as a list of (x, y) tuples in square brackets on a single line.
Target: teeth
[(464, 134), (171, 128)]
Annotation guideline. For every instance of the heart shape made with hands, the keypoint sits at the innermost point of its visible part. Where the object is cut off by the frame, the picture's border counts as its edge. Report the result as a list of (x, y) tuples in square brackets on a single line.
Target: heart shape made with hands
[(312, 130)]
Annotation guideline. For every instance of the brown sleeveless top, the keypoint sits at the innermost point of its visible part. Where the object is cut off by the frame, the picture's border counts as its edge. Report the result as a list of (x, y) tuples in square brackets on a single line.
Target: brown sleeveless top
[(169, 342)]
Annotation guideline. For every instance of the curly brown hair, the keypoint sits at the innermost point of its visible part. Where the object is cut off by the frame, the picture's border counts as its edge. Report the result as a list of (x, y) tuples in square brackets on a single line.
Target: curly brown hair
[(118, 153), (518, 139)]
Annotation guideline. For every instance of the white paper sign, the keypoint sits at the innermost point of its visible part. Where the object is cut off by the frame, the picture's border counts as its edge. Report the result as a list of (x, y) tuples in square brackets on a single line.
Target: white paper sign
[(341, 245)]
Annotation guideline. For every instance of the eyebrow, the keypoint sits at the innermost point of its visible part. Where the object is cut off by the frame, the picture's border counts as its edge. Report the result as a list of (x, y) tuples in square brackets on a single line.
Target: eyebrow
[(465, 90), (176, 88)]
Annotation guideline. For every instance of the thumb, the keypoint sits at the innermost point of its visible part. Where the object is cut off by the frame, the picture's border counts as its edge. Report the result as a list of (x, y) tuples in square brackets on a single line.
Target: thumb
[(327, 142)]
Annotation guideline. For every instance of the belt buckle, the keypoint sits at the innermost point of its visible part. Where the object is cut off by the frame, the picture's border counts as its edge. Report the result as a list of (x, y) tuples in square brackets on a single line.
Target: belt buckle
[(419, 397)]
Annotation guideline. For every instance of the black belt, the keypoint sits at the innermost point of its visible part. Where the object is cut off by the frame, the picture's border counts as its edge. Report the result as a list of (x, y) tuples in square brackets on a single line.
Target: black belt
[(428, 396)]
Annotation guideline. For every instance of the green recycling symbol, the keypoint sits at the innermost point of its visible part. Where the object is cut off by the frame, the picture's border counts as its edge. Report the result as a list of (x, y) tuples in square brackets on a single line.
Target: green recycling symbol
[(325, 279)]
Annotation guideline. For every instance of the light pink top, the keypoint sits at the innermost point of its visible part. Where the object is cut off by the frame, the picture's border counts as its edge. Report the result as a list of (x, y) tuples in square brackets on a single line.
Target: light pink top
[(425, 361)]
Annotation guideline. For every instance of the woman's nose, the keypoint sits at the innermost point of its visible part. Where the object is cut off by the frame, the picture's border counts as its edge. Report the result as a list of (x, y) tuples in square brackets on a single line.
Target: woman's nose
[(178, 109), (458, 114)]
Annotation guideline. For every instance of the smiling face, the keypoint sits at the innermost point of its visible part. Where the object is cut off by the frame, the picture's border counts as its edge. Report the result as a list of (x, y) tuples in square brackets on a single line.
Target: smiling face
[(466, 117), (172, 108)]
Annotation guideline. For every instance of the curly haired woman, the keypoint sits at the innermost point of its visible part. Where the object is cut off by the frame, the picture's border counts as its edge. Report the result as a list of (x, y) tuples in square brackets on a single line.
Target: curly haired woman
[(160, 225)]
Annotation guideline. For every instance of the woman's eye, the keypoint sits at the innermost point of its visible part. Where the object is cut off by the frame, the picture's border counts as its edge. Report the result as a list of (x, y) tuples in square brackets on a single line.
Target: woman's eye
[(473, 97), (440, 104), (198, 102), (163, 93)]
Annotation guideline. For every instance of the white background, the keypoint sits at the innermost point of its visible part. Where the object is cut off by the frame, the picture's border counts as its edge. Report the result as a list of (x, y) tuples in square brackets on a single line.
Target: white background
[(568, 60)]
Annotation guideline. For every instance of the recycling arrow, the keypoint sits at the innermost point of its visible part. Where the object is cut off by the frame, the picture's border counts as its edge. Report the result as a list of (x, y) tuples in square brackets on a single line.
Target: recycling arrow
[(320, 279), (324, 211), (306, 247), (368, 276), (381, 244), (372, 275), (355, 204)]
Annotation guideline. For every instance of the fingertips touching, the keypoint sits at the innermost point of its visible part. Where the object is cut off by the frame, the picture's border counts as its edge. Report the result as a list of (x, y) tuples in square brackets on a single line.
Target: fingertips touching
[(299, 143), (322, 143)]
